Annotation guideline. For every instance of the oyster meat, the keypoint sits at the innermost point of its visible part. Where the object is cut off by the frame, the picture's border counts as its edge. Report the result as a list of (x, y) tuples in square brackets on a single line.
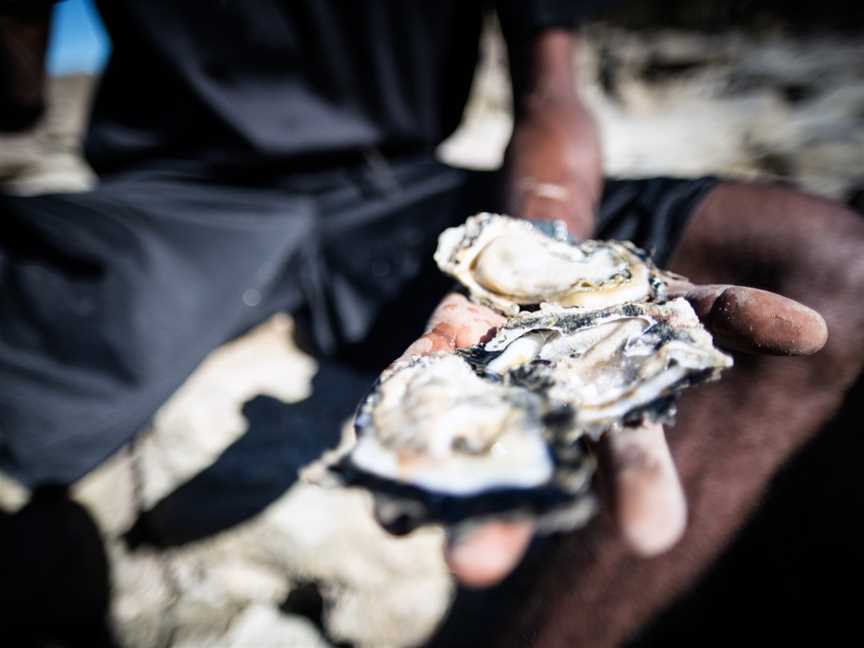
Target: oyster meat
[(435, 421), (433, 430), (509, 264), (616, 366)]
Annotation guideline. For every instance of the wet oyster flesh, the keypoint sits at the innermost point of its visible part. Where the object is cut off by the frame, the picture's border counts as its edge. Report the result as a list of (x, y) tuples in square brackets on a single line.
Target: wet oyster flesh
[(617, 366), (436, 422), (433, 431), (509, 264)]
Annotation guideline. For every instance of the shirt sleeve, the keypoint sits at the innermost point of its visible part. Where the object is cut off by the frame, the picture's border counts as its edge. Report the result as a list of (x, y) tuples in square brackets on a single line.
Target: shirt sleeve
[(523, 18)]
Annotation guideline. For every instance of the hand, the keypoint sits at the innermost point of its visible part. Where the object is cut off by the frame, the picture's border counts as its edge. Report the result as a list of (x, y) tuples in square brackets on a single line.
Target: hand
[(649, 502)]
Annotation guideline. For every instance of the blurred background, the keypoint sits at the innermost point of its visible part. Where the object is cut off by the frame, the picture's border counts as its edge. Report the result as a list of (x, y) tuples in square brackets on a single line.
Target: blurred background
[(229, 548)]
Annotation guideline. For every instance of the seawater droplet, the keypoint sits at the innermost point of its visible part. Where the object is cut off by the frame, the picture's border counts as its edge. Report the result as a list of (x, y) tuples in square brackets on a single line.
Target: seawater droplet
[(251, 297)]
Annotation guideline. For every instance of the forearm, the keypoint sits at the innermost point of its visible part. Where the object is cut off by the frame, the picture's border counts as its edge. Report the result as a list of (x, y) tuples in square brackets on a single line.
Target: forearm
[(554, 155), (542, 68), (23, 41)]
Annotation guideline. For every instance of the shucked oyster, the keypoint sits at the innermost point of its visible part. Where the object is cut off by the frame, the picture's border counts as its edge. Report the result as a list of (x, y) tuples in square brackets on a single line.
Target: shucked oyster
[(439, 442), (498, 427), (509, 263), (591, 344), (615, 366)]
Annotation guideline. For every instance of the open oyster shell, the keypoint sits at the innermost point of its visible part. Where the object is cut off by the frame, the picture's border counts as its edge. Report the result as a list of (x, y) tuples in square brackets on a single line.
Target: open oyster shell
[(504, 427), (616, 366), (509, 264), (499, 427), (438, 442)]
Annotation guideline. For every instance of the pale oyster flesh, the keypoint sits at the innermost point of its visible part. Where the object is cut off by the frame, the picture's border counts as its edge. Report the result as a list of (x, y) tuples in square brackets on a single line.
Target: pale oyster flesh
[(616, 366), (435, 421), (509, 264), (435, 434)]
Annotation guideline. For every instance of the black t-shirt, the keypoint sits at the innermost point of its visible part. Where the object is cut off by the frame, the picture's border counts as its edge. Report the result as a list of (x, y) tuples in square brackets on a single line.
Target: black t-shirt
[(285, 82)]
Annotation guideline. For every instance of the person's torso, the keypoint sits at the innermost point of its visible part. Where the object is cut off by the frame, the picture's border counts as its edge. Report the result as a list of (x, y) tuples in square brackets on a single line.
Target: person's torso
[(275, 82)]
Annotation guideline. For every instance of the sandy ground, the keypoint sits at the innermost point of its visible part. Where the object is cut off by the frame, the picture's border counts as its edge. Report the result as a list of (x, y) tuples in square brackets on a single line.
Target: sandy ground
[(670, 103)]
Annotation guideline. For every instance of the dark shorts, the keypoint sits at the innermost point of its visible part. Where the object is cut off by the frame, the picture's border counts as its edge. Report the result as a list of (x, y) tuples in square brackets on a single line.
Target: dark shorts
[(109, 299)]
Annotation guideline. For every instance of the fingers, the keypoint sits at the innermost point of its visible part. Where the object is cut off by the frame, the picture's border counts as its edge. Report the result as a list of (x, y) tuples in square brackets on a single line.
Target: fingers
[(753, 320), (649, 502), (488, 553), (456, 323)]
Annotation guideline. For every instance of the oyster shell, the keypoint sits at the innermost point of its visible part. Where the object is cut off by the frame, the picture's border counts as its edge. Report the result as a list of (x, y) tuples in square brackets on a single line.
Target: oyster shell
[(504, 427), (499, 427), (509, 264), (438, 442), (617, 366)]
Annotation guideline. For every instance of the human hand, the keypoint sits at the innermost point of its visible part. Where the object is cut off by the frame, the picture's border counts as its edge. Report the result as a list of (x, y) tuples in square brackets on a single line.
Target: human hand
[(649, 502)]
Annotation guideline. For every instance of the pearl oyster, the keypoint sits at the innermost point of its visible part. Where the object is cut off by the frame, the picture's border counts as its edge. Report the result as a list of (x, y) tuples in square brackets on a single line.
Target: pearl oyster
[(436, 441), (511, 265), (616, 366)]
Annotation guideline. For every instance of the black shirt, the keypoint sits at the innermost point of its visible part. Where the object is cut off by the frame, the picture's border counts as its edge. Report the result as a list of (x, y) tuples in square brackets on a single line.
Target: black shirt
[(283, 82), (286, 82)]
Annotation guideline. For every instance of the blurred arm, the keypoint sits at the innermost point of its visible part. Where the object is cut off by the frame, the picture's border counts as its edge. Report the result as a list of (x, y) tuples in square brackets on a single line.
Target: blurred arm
[(24, 30), (554, 162)]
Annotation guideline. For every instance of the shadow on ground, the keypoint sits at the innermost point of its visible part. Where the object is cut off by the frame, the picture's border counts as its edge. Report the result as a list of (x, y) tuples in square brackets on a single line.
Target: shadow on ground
[(260, 466), (54, 575)]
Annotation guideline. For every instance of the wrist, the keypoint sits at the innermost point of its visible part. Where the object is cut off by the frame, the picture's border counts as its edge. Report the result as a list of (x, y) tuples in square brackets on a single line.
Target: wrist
[(544, 72), (557, 146), (569, 203), (566, 106)]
